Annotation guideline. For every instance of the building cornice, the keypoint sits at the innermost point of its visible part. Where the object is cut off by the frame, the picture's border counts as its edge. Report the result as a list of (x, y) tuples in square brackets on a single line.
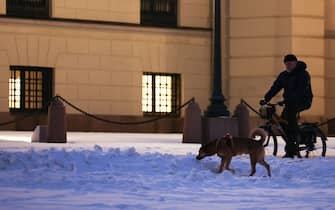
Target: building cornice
[(101, 24)]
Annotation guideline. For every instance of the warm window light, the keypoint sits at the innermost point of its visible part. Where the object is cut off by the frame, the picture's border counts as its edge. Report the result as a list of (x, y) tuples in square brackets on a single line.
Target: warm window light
[(163, 91), (147, 93), (14, 93), (30, 88), (156, 89)]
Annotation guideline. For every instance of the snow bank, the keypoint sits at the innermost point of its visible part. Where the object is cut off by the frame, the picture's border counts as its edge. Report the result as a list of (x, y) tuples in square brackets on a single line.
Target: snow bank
[(101, 176)]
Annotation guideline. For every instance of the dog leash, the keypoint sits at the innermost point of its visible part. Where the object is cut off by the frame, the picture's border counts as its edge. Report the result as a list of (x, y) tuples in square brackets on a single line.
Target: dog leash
[(250, 107)]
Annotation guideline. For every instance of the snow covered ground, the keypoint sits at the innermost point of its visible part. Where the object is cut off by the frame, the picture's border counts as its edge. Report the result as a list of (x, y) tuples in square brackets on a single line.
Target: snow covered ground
[(152, 171)]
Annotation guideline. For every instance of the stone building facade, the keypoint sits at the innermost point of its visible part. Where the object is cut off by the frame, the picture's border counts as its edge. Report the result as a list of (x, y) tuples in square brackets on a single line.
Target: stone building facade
[(131, 60)]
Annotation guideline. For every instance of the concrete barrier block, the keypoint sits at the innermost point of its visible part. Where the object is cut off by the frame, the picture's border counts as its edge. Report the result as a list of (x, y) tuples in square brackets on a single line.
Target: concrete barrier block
[(40, 134)]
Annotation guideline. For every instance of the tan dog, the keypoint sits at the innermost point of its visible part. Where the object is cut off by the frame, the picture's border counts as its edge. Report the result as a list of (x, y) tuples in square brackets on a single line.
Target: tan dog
[(229, 146)]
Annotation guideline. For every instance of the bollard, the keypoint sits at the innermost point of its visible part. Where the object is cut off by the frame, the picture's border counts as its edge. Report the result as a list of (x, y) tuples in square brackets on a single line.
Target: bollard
[(217, 127), (56, 132), (192, 124), (242, 113)]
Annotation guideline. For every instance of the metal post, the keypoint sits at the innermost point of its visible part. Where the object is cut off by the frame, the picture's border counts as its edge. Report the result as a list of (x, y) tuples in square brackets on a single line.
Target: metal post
[(217, 107)]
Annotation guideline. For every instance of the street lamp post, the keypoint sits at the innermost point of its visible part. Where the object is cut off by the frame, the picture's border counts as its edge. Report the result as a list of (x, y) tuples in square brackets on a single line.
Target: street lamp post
[(217, 106)]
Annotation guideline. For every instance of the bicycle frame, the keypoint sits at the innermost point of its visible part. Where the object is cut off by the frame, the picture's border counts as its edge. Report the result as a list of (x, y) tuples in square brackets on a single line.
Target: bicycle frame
[(274, 120), (275, 123)]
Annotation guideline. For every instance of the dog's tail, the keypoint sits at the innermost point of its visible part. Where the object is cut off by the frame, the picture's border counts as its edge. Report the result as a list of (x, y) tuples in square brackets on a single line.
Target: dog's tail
[(259, 132)]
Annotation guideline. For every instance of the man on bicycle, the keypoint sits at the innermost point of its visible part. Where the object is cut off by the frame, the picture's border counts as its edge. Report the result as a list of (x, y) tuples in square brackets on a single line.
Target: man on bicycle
[(296, 82)]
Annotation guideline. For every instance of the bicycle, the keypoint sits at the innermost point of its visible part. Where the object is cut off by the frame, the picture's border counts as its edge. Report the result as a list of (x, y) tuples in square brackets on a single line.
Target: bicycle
[(312, 138)]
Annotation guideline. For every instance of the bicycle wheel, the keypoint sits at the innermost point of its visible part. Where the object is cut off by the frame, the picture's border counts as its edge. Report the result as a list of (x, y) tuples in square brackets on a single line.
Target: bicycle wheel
[(322, 141), (320, 145), (275, 144), (268, 129)]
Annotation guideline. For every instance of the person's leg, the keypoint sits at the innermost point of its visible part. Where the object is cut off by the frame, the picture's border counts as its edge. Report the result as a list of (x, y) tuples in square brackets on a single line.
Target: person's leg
[(294, 131), (289, 114)]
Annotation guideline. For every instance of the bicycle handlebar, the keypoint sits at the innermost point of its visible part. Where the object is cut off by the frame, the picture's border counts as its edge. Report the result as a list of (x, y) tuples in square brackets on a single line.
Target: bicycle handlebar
[(280, 103)]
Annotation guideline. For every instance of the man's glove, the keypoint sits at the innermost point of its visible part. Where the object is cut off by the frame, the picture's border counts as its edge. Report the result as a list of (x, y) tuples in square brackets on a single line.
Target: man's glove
[(262, 102)]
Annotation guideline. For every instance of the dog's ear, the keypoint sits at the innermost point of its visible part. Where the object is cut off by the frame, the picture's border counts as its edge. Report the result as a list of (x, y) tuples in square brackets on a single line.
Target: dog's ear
[(228, 141)]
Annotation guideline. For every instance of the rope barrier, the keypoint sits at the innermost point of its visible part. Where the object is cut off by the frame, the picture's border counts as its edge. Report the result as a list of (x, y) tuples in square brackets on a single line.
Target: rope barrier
[(125, 123), (100, 118), (128, 123), (325, 122), (28, 115)]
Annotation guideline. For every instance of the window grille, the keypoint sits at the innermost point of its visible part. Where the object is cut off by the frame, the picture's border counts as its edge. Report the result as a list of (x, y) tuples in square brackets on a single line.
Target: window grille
[(159, 12), (160, 93), (30, 88), (28, 8)]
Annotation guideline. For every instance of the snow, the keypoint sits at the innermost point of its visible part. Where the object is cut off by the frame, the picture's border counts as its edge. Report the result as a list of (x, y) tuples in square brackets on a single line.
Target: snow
[(152, 171)]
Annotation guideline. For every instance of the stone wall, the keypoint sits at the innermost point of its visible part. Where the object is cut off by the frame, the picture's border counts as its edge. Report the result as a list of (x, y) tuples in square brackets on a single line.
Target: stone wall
[(195, 13), (2, 7), (127, 11), (261, 37), (100, 68), (258, 40)]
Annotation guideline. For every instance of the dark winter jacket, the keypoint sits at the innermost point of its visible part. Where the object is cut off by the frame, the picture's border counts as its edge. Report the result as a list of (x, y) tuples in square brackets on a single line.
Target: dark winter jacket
[(296, 85)]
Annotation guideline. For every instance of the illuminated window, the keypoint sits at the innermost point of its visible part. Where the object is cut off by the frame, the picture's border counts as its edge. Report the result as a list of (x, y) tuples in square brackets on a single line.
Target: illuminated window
[(160, 93), (29, 88), (159, 12), (15, 90), (28, 8)]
